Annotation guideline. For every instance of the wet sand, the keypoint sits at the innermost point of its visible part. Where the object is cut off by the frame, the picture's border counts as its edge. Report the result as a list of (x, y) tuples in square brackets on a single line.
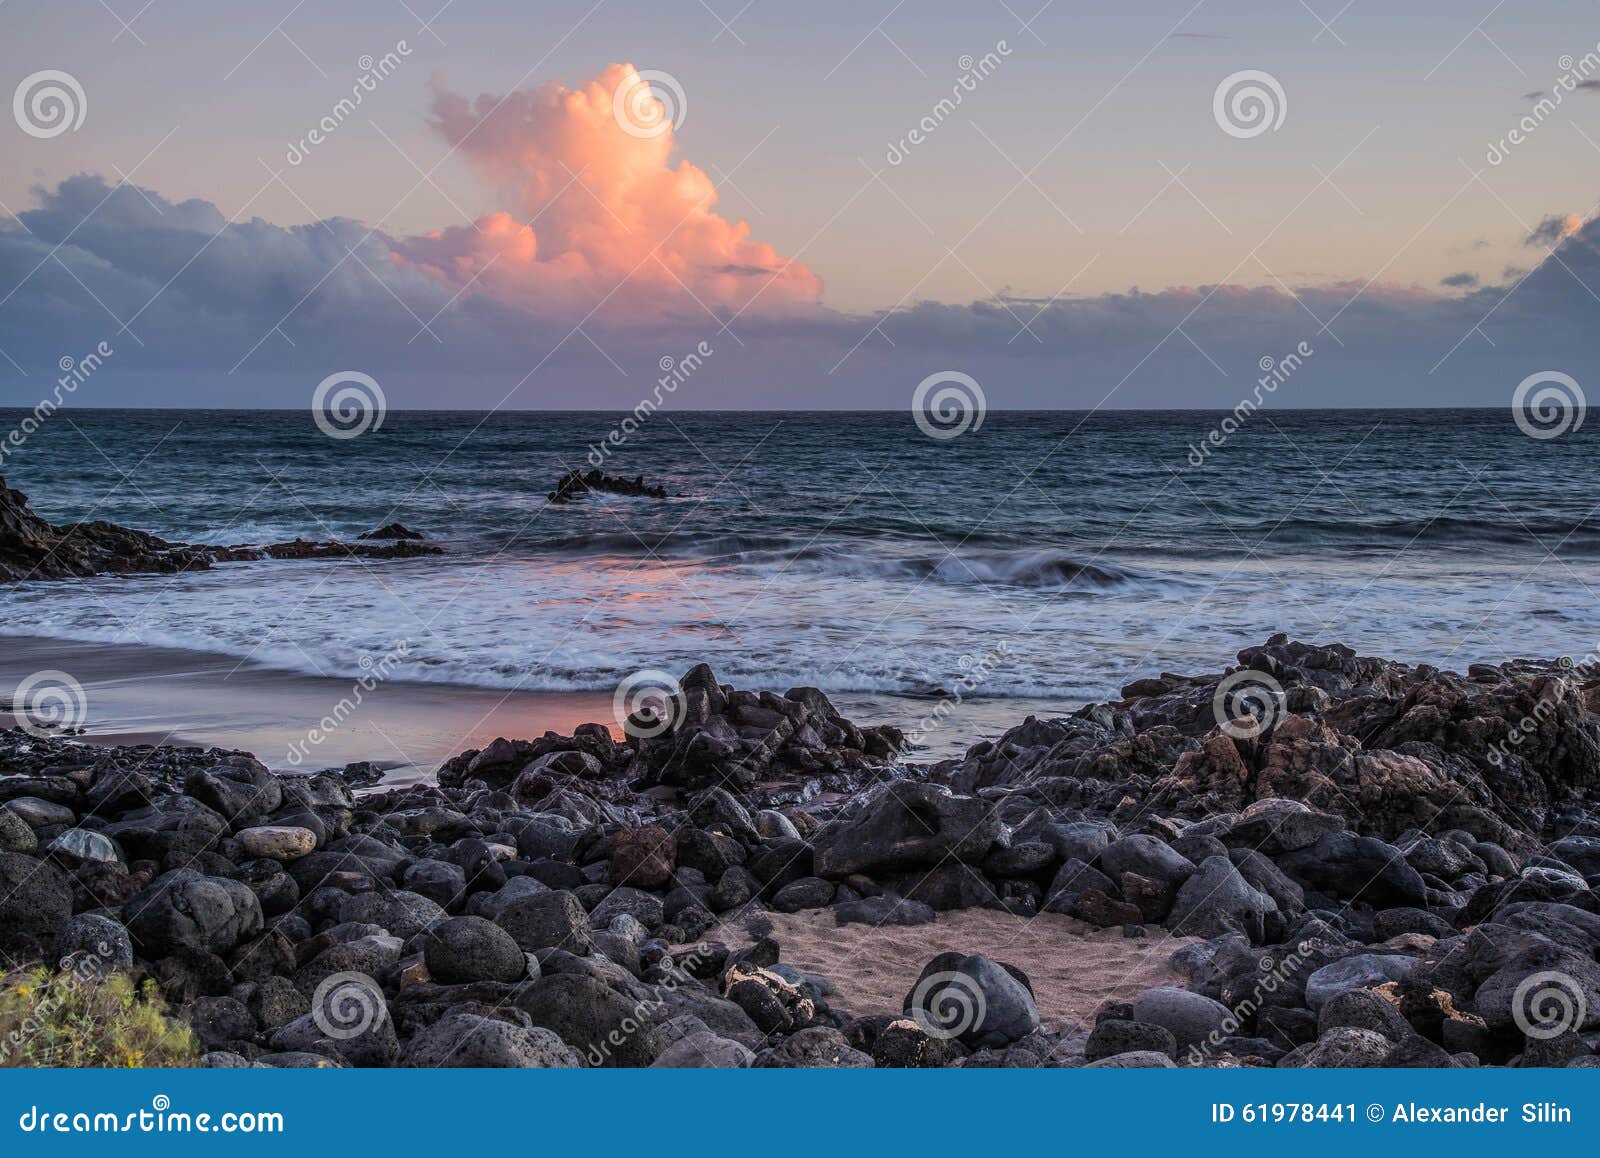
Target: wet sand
[(138, 694), (1074, 966)]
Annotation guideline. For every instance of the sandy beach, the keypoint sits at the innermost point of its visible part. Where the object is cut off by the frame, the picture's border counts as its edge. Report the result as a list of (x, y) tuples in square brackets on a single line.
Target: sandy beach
[(138, 694), (1074, 967)]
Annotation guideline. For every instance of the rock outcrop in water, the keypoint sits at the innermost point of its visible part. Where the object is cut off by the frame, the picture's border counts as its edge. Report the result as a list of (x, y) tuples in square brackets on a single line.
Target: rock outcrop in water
[(1377, 864), (575, 484), (32, 548)]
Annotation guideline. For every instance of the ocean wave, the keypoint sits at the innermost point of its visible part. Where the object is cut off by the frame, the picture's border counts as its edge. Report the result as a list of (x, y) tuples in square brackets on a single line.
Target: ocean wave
[(495, 663), (1043, 569), (875, 555)]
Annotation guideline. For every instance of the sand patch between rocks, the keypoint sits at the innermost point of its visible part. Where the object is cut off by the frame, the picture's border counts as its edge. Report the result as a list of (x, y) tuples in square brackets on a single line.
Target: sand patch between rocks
[(1074, 966)]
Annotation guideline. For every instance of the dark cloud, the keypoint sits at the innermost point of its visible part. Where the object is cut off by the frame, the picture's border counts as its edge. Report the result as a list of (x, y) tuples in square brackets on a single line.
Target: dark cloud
[(1459, 280), (1553, 230), (248, 313)]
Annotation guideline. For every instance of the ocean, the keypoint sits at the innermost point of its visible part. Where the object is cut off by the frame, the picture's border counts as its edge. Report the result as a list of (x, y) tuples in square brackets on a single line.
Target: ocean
[(1044, 557)]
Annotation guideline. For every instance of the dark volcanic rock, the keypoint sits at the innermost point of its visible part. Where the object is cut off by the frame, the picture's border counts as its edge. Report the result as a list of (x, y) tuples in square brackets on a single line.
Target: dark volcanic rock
[(35, 902), (391, 531), (31, 548), (184, 911), (575, 484), (973, 999), (465, 949), (905, 825)]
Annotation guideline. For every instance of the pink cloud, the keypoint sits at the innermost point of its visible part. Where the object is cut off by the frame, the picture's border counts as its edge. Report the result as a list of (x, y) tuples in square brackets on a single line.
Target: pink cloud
[(596, 217)]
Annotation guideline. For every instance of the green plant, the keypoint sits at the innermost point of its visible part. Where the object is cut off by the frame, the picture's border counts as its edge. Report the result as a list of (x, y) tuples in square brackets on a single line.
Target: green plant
[(72, 1019)]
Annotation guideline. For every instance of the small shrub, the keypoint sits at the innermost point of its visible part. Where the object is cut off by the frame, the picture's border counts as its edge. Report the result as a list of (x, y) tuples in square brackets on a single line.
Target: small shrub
[(74, 1020)]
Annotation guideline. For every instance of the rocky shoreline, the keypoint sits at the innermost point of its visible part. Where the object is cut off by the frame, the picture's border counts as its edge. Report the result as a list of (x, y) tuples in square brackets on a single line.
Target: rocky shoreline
[(33, 548), (1372, 864)]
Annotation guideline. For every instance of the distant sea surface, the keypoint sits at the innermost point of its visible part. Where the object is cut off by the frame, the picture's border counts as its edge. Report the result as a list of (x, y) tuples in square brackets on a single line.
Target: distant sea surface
[(1046, 556)]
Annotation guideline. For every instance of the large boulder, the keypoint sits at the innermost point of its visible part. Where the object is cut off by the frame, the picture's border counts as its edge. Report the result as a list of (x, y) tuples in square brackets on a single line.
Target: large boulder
[(642, 857), (602, 1025), (1358, 972), (402, 913), (1149, 857), (15, 833), (554, 919), (278, 841), (184, 911), (1543, 990), (1351, 867), (978, 1001), (470, 1040), (905, 825), (35, 902), (467, 949), (1191, 1018), (1218, 900)]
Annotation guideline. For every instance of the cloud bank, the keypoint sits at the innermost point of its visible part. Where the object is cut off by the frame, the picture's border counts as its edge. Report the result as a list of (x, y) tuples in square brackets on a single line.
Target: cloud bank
[(608, 257)]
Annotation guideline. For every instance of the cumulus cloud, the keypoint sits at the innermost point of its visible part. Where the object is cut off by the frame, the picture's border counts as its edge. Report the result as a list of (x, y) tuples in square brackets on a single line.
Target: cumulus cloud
[(596, 218)]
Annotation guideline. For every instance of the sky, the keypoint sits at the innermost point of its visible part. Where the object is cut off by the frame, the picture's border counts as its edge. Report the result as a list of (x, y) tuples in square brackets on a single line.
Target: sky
[(543, 205)]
